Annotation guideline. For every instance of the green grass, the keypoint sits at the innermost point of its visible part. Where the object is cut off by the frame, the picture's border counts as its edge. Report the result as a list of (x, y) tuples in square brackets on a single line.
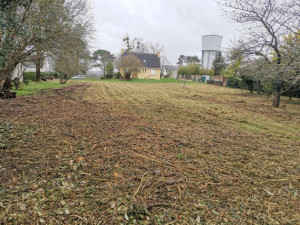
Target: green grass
[(143, 81), (36, 87)]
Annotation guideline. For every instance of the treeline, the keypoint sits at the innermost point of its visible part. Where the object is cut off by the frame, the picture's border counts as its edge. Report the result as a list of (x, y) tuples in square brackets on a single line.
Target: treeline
[(268, 54)]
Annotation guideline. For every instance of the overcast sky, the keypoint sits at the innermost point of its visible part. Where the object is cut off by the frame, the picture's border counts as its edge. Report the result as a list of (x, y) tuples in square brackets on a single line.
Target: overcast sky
[(176, 24)]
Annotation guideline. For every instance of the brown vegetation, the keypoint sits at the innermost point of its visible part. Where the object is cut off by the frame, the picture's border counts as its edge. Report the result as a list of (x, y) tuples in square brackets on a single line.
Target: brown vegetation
[(119, 152)]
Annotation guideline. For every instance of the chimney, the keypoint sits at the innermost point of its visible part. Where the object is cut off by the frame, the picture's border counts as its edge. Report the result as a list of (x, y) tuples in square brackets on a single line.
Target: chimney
[(158, 54), (122, 51)]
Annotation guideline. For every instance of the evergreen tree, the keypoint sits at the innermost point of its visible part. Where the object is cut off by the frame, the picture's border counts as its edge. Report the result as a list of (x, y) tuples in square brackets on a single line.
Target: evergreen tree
[(109, 70), (181, 60), (219, 64)]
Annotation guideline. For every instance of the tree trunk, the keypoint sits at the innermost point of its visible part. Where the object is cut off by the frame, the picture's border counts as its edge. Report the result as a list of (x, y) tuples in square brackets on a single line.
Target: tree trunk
[(259, 88), (104, 72), (291, 93), (38, 68), (5, 76), (7, 84), (276, 99), (250, 85), (63, 79), (127, 76)]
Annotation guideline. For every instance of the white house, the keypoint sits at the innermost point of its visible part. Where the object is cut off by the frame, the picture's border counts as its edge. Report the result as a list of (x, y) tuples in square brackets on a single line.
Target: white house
[(29, 66)]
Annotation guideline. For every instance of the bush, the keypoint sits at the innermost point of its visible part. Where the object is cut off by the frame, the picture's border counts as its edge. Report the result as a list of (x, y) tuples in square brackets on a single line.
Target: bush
[(118, 75), (49, 74), (268, 89), (108, 76), (194, 69), (109, 70), (31, 75), (234, 82), (206, 72)]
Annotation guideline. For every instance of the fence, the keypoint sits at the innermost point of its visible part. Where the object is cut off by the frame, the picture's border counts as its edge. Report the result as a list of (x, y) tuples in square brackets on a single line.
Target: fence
[(215, 82)]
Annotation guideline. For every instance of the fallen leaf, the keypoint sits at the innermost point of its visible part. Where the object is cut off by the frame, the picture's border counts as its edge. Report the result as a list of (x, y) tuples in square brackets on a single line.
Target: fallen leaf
[(112, 205), (198, 220), (67, 211), (23, 207), (268, 192), (117, 175), (79, 159), (170, 181), (126, 217)]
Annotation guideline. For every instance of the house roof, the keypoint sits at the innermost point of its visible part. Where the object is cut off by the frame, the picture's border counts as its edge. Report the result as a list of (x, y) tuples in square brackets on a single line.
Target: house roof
[(149, 60)]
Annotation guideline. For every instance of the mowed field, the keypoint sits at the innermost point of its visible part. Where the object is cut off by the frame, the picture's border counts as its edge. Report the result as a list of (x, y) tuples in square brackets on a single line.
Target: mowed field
[(149, 153)]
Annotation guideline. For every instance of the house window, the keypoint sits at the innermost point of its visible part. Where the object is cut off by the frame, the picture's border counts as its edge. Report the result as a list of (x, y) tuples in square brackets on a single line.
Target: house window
[(144, 70), (152, 72)]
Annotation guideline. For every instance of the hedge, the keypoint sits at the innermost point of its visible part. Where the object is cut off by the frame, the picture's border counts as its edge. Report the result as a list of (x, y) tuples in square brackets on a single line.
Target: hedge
[(31, 75)]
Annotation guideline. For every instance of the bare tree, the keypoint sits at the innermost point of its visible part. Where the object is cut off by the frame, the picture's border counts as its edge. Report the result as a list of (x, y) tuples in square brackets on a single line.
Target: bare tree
[(72, 58), (117, 62), (266, 22), (135, 45), (130, 64), (138, 45), (163, 62), (156, 47)]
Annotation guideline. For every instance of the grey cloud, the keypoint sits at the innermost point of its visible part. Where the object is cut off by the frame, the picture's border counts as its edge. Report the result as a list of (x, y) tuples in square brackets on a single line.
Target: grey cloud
[(176, 24)]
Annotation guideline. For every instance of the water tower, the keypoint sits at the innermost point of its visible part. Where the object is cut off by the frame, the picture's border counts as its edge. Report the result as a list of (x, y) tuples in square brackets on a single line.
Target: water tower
[(211, 45)]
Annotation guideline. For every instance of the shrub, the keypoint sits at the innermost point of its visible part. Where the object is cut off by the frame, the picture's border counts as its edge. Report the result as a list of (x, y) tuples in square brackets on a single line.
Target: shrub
[(234, 82), (118, 75), (194, 69), (109, 70), (108, 76), (268, 89), (31, 75), (206, 72)]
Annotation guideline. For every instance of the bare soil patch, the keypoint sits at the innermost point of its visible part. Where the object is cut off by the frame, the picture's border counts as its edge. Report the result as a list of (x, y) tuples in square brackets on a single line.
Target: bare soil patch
[(123, 153)]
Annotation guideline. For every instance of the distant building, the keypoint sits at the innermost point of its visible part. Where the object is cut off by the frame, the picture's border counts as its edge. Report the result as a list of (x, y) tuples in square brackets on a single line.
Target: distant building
[(29, 66), (170, 71), (151, 65), (211, 45)]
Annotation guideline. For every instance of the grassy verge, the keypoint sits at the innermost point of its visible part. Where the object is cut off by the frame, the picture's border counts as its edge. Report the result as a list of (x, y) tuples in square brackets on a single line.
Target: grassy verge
[(36, 87)]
